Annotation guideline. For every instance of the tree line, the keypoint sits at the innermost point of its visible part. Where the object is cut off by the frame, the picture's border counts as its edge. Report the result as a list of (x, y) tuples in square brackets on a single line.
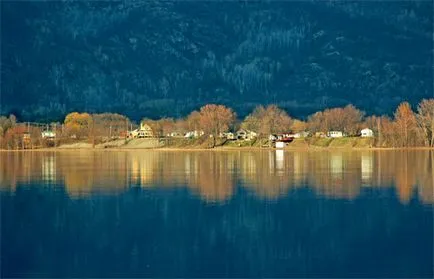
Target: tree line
[(407, 127)]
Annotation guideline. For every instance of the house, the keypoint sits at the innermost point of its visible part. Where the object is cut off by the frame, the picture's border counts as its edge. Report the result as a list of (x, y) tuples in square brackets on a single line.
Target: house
[(145, 131), (194, 134), (272, 137), (335, 134), (48, 134), (241, 134), (174, 134), (133, 134), (367, 133), (228, 135), (251, 135), (245, 135)]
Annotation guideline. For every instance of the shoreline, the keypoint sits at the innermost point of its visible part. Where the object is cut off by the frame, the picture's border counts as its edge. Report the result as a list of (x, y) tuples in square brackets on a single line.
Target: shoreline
[(220, 148)]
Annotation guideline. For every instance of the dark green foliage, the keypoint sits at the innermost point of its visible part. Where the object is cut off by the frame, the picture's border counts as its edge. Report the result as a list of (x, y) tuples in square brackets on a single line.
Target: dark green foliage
[(156, 59)]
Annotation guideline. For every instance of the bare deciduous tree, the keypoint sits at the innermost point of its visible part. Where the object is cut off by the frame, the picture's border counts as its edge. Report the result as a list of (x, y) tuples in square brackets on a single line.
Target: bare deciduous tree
[(425, 120), (215, 119), (267, 120), (405, 121)]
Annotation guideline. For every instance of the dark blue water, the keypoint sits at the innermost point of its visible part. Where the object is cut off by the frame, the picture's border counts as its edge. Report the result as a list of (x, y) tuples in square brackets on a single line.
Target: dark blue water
[(174, 232)]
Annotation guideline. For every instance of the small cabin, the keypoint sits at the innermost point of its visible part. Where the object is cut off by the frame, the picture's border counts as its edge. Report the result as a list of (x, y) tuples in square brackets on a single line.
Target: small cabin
[(228, 135), (48, 134), (241, 134), (245, 135), (175, 135), (194, 134), (133, 134), (367, 133), (335, 134)]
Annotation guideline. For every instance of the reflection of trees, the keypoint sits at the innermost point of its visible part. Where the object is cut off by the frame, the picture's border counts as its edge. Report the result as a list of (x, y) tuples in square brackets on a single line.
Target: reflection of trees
[(335, 173), (269, 174), (88, 172), (425, 166), (214, 177), (81, 172), (25, 167), (208, 173)]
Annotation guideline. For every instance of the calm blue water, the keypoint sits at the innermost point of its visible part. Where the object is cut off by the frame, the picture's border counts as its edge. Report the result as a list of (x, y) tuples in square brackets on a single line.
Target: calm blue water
[(243, 214)]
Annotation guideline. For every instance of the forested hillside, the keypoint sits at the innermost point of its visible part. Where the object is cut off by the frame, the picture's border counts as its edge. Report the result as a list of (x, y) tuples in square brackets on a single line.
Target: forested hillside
[(163, 58)]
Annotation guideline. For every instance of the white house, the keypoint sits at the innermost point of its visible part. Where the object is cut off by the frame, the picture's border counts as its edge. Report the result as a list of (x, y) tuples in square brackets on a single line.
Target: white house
[(367, 133), (48, 134), (194, 134), (245, 135), (227, 135), (133, 133), (174, 135), (241, 134), (335, 134)]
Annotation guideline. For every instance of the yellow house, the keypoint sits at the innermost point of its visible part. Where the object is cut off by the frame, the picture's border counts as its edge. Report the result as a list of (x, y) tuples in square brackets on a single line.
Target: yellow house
[(145, 131)]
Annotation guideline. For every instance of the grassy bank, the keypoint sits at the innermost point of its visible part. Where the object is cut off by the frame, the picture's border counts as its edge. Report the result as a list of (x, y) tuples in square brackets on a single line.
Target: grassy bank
[(206, 143)]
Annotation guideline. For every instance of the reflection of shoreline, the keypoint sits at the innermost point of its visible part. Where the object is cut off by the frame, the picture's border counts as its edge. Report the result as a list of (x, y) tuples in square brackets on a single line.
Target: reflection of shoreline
[(311, 148), (213, 175)]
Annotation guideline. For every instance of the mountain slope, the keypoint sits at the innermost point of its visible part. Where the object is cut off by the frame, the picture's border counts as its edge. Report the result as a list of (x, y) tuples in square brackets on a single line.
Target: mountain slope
[(152, 58)]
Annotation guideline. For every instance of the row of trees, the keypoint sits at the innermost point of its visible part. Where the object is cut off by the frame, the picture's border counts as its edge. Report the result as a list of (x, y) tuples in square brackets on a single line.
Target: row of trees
[(405, 128), (82, 125)]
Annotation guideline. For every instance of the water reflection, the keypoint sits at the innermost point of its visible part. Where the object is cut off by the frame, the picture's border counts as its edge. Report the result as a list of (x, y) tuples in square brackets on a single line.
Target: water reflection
[(213, 175), (80, 214)]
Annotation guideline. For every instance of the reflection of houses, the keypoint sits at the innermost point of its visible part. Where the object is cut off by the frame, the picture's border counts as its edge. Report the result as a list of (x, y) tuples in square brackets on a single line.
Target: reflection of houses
[(367, 133), (297, 167), (280, 161), (49, 168), (336, 165), (335, 134), (367, 168), (213, 175)]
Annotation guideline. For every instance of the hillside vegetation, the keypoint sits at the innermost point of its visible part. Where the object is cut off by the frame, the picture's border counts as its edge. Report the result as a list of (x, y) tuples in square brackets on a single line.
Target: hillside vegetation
[(166, 58)]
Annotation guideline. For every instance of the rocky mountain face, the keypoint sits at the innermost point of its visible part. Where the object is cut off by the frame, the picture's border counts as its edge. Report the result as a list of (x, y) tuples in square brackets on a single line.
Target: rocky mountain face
[(166, 58)]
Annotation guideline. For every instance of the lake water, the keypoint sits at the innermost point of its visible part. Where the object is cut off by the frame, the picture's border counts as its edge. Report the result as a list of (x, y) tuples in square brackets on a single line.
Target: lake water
[(217, 214)]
